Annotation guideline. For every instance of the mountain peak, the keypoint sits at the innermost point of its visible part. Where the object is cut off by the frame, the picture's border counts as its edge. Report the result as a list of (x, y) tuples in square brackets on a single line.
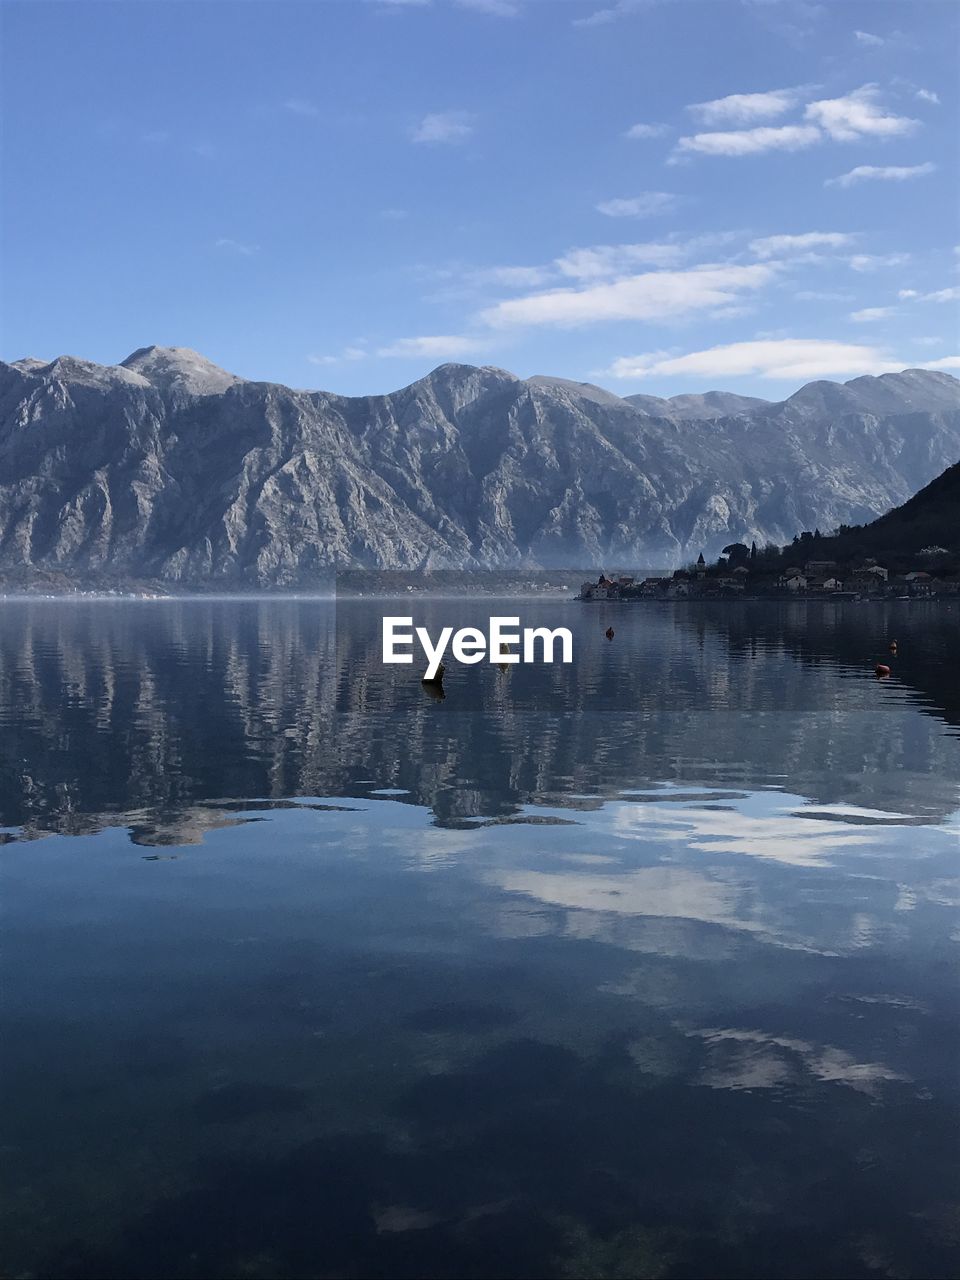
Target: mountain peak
[(585, 390), (452, 369), (179, 368), (74, 371), (909, 391), (694, 406)]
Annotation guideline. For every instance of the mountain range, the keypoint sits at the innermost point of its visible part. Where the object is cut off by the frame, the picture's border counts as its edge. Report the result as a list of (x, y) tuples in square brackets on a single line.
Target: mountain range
[(168, 469)]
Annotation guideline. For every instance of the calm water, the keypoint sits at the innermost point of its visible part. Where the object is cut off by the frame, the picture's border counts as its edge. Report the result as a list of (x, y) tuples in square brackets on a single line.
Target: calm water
[(642, 967)]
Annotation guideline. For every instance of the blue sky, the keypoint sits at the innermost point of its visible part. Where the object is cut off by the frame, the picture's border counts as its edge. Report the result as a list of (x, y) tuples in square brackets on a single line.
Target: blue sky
[(657, 195)]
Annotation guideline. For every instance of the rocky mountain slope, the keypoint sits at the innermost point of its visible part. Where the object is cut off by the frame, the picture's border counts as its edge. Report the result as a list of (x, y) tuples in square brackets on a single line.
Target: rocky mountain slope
[(166, 468)]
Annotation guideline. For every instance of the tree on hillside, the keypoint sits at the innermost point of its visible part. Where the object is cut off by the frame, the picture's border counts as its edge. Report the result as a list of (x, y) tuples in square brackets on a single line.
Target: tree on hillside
[(736, 553)]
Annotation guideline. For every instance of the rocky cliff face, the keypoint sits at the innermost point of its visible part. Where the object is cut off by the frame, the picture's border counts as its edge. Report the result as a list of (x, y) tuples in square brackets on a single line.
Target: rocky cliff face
[(166, 468)]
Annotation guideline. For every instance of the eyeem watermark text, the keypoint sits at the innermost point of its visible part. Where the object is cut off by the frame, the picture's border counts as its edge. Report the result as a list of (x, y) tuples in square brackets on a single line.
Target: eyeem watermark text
[(503, 642)]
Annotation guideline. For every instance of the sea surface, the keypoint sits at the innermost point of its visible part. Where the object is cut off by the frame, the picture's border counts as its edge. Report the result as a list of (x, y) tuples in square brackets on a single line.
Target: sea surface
[(644, 966)]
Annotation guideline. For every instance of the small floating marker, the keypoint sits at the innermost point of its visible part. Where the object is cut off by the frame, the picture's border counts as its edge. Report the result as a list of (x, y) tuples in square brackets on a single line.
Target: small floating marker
[(609, 633), (893, 646), (881, 670)]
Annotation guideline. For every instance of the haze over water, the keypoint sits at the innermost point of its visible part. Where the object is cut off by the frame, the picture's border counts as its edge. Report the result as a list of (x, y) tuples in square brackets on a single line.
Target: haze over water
[(643, 966)]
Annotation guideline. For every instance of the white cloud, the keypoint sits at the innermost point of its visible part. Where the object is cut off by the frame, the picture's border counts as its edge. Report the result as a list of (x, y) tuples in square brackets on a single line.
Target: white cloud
[(948, 362), (857, 115), (788, 358), (927, 95), (651, 296), (867, 38), (496, 8), (647, 131), (348, 354), (434, 346), (874, 261), (607, 260), (881, 173), (745, 108), (907, 293), (645, 205), (444, 126), (942, 295), (868, 314), (238, 247), (776, 246), (748, 142)]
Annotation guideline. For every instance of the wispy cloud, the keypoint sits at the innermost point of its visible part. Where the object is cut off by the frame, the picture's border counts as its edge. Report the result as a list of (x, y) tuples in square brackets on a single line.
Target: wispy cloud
[(880, 173), (651, 296), (749, 142), (346, 356), (927, 95), (951, 294), (778, 246), (823, 295), (606, 261), (514, 277), (857, 115), (864, 262), (435, 346), (444, 127), (646, 131), (794, 20), (867, 315), (869, 39), (796, 359), (853, 116), (613, 13), (238, 247), (582, 264), (496, 8), (301, 107), (746, 108), (645, 205)]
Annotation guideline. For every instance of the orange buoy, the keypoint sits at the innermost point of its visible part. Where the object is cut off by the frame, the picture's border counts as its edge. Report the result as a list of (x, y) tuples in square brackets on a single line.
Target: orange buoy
[(881, 670), (609, 633)]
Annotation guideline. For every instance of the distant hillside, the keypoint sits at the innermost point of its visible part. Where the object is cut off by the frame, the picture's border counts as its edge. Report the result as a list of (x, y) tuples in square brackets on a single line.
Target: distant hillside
[(931, 518), (695, 407)]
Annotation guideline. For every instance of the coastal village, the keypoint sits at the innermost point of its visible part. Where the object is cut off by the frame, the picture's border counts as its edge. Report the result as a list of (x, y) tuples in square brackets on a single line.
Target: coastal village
[(743, 573)]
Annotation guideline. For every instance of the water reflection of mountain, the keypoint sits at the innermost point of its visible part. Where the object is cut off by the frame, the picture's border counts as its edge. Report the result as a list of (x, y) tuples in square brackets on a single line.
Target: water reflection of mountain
[(147, 710)]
